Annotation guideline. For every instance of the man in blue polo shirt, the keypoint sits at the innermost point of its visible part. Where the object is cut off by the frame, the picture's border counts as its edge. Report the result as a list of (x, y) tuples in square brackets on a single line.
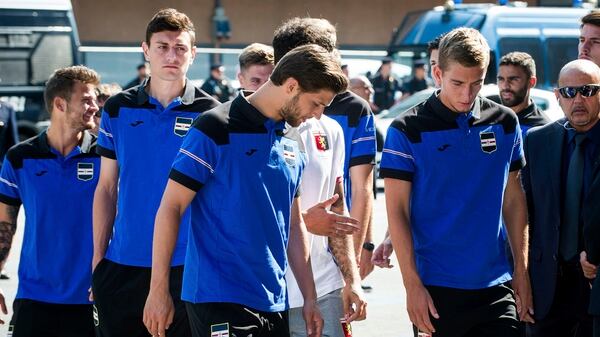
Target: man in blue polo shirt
[(451, 167), (141, 130), (234, 281), (54, 176), (355, 116)]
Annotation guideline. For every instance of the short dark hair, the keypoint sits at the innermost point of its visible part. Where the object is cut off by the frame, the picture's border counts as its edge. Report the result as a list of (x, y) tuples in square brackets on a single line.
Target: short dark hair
[(465, 46), (519, 59), (435, 43), (142, 65), (61, 83), (301, 31), (314, 67), (592, 18), (256, 54), (169, 19)]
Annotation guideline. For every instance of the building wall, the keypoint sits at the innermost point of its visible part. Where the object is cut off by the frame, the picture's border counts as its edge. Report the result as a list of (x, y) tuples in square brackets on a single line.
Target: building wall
[(360, 23)]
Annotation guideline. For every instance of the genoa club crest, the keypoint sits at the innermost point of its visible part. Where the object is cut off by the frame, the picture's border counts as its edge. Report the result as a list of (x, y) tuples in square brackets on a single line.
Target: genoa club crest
[(488, 142), (321, 141), (85, 171), (182, 125)]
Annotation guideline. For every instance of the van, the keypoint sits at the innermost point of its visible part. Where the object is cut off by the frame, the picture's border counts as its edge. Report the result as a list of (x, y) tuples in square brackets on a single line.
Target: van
[(36, 38), (549, 34)]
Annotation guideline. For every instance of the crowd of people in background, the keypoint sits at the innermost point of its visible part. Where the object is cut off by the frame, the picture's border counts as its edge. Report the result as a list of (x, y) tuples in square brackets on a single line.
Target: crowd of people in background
[(219, 212)]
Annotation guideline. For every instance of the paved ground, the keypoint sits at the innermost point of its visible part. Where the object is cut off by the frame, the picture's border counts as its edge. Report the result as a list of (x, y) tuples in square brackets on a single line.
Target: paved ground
[(386, 303)]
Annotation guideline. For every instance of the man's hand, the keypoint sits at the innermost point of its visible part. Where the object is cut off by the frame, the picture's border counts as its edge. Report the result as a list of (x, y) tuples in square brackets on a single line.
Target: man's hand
[(158, 312), (3, 306), (523, 296), (355, 307), (419, 305), (312, 318), (365, 265), (320, 221), (381, 255), (589, 270)]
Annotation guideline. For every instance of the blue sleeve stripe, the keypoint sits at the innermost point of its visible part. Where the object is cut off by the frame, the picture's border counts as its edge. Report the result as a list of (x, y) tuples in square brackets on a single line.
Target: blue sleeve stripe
[(398, 153), (185, 180), (5, 199), (104, 132), (517, 164), (104, 152), (362, 139), (11, 184), (395, 174), (360, 160), (197, 159)]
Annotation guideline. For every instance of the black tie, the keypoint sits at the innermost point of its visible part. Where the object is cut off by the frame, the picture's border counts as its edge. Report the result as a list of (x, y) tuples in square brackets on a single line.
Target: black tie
[(569, 233)]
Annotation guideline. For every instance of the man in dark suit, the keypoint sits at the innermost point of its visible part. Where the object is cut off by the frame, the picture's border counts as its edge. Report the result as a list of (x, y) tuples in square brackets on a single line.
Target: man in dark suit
[(591, 260), (557, 179)]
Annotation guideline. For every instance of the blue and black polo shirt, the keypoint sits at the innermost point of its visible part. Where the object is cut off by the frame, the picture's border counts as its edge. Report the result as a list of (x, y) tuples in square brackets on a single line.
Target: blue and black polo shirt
[(354, 115), (458, 165), (144, 137), (531, 117), (246, 171), (57, 193)]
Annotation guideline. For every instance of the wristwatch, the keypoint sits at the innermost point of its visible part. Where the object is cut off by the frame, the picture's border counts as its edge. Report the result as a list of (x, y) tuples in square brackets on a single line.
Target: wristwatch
[(369, 246)]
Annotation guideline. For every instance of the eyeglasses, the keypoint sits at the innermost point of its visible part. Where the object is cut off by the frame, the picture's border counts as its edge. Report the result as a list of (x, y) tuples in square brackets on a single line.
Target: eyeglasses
[(587, 90)]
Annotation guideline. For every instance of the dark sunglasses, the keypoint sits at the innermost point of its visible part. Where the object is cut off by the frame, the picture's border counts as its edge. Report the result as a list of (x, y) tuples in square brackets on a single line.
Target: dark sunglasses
[(587, 90)]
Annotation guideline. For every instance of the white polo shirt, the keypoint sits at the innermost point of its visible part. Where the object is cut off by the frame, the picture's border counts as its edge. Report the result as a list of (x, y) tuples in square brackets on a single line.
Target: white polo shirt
[(324, 145)]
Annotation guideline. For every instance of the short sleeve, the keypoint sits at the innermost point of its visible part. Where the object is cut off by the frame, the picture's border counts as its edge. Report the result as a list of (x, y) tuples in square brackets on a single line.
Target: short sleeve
[(397, 160), (9, 187), (196, 160), (364, 143), (106, 142), (517, 160)]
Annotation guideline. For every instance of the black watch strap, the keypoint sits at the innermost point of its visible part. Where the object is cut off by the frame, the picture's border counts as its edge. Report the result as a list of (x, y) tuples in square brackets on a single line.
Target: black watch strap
[(369, 246)]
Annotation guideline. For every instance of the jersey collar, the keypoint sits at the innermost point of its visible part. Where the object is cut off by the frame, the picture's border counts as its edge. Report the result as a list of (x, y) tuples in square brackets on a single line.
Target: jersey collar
[(189, 93), (448, 115)]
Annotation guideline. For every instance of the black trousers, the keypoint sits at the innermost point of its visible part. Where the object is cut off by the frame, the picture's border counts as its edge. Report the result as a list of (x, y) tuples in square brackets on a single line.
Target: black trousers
[(489, 312), (120, 295), (568, 315), (217, 319), (40, 319)]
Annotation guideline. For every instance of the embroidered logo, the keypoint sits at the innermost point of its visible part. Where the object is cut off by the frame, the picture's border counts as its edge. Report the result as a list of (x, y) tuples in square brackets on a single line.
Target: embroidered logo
[(182, 125), (488, 142), (85, 171), (219, 330), (289, 155), (321, 141)]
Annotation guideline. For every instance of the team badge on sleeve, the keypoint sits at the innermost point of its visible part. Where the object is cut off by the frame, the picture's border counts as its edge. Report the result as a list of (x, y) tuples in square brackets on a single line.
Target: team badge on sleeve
[(321, 141), (488, 142), (219, 330), (182, 125), (85, 171)]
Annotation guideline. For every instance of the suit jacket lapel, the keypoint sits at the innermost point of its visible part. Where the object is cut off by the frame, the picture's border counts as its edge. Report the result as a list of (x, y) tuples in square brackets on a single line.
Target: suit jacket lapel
[(553, 146)]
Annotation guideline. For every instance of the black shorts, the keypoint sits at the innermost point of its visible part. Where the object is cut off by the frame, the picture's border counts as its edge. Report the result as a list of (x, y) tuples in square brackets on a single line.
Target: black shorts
[(231, 319), (489, 312), (120, 293), (40, 319)]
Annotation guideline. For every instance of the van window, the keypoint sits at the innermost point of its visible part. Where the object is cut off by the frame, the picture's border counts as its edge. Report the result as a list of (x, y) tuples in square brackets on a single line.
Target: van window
[(30, 58), (560, 51), (529, 45)]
